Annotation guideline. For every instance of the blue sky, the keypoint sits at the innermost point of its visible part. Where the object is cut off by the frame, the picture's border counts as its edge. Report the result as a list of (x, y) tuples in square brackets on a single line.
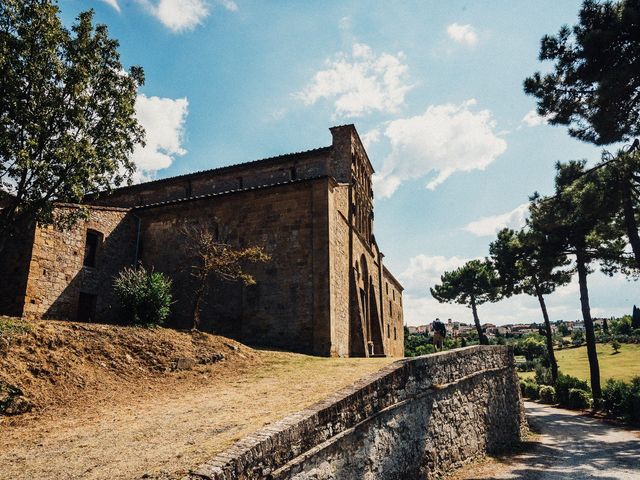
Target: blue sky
[(434, 88)]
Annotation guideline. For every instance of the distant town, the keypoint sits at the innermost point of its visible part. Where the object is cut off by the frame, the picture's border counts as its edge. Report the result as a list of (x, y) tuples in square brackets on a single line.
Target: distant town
[(457, 329)]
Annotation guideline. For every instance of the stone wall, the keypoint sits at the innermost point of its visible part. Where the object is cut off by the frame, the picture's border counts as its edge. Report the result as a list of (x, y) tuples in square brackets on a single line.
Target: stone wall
[(58, 276), (297, 166), (416, 418), (393, 317), (288, 305)]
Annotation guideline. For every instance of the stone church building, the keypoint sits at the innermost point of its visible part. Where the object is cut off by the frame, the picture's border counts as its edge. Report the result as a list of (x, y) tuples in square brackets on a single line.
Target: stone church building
[(325, 290)]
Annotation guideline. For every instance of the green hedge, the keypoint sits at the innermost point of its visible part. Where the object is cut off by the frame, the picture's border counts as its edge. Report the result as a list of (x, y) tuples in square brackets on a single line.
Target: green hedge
[(622, 400), (547, 394), (578, 399), (564, 384)]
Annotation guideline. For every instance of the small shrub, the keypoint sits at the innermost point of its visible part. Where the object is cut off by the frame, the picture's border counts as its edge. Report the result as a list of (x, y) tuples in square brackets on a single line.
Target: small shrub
[(633, 404), (564, 383), (615, 344), (13, 326), (145, 297), (522, 385), (578, 399), (615, 396), (531, 390), (547, 394)]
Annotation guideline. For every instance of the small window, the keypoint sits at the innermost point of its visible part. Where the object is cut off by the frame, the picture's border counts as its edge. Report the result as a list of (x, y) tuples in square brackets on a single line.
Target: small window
[(387, 287), (390, 309), (394, 295), (91, 245), (395, 333), (388, 331)]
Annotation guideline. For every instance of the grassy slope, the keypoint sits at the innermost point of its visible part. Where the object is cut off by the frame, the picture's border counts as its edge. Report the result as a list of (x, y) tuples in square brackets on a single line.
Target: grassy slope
[(622, 366)]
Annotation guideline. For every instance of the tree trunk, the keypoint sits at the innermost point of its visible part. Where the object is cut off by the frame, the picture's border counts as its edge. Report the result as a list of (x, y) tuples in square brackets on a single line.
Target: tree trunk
[(476, 320), (588, 325), (547, 326), (199, 295), (630, 224)]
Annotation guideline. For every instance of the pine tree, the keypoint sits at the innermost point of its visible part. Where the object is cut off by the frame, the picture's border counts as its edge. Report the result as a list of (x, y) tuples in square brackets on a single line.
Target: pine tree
[(576, 222), (472, 285), (527, 264)]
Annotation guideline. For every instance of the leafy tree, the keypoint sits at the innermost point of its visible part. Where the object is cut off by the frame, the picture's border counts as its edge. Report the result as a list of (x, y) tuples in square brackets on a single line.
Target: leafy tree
[(594, 86), (623, 326), (416, 343), (473, 284), (526, 263), (212, 257), (576, 221), (577, 337), (531, 347), (563, 329), (67, 112), (605, 327)]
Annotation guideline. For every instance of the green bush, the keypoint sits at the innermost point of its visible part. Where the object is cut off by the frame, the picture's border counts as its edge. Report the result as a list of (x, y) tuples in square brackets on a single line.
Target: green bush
[(622, 400), (522, 385), (547, 394), (564, 383), (145, 296), (633, 405), (424, 349), (615, 344), (531, 390), (10, 326), (543, 375), (615, 397), (578, 399)]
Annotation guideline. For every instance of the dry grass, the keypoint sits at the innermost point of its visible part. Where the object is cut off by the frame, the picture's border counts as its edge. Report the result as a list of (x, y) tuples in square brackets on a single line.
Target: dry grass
[(165, 423), (622, 366)]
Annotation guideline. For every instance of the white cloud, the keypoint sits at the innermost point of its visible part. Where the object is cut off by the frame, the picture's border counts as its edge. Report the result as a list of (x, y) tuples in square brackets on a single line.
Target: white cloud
[(424, 271), (163, 120), (371, 137), (533, 119), (360, 82), (178, 15), (113, 3), (229, 5), (463, 34), (488, 226), (445, 139)]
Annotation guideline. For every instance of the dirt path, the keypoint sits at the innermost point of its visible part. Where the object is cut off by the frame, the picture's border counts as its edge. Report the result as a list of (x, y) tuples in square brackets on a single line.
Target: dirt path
[(569, 446), (173, 424)]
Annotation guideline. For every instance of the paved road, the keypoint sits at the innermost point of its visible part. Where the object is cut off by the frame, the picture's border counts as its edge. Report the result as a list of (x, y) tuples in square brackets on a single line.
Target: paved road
[(572, 446)]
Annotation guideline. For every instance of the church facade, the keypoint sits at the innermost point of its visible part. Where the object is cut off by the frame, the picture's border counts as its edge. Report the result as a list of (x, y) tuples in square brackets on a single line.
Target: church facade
[(325, 290)]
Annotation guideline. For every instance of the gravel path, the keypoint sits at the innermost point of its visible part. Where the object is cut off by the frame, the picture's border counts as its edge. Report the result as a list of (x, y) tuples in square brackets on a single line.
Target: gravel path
[(573, 446)]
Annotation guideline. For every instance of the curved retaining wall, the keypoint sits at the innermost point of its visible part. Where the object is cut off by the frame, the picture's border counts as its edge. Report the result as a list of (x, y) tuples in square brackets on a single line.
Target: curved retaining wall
[(416, 418)]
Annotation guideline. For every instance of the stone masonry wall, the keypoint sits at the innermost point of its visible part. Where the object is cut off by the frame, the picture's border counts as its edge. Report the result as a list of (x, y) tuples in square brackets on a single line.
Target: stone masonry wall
[(287, 307), (57, 275), (340, 269), (416, 418), (392, 314), (297, 166)]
